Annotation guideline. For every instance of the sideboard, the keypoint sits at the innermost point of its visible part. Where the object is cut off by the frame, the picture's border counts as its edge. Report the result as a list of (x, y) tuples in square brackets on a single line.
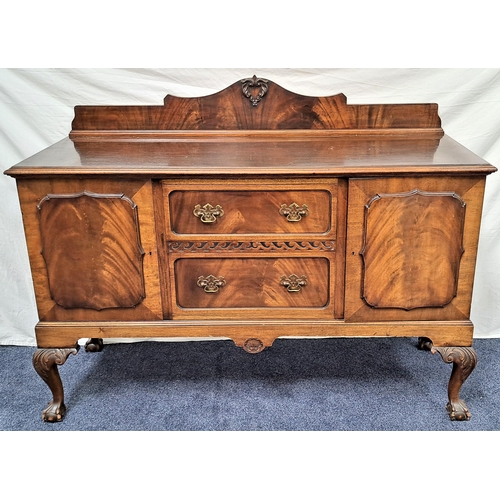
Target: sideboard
[(251, 214)]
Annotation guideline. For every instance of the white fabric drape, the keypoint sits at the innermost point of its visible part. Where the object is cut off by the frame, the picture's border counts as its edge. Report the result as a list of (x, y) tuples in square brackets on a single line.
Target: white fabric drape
[(36, 110)]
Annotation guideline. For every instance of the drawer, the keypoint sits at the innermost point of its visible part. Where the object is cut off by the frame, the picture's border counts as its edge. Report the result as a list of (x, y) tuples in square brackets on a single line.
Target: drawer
[(252, 282), (250, 211)]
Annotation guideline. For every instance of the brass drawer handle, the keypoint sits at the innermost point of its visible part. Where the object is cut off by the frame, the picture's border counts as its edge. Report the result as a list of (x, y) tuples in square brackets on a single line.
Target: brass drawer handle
[(294, 212), (293, 283), (208, 214), (211, 284)]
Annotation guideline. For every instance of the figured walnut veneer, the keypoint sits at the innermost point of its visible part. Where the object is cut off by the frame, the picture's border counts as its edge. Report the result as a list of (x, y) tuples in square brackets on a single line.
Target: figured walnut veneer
[(412, 241), (253, 213), (231, 109), (421, 252), (92, 228), (253, 282)]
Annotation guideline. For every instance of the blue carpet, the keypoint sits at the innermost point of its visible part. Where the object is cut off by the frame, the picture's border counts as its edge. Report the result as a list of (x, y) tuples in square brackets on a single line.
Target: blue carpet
[(296, 385)]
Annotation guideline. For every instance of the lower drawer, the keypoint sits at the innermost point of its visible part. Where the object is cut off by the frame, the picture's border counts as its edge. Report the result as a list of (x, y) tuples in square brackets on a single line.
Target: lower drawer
[(252, 282)]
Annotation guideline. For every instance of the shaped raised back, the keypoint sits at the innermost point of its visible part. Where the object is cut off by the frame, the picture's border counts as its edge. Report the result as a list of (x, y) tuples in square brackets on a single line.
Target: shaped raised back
[(256, 104)]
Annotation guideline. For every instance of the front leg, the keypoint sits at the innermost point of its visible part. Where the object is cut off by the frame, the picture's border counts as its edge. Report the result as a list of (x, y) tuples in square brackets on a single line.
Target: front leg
[(45, 362), (464, 360)]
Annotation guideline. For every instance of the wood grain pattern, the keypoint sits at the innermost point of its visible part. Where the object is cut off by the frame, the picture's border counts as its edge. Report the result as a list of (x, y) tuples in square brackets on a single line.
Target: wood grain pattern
[(160, 245), (246, 156), (340, 245), (470, 189), (250, 212), (442, 333), (230, 109), (252, 282), (32, 191), (412, 246), (251, 209), (91, 245)]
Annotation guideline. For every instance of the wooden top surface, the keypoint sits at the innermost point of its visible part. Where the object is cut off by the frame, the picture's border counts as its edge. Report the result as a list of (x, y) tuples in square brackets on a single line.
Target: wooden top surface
[(337, 156), (255, 127)]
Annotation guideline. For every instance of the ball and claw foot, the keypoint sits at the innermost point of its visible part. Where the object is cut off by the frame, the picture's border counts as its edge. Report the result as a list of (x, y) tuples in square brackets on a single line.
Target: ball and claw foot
[(54, 412), (458, 410), (424, 344), (94, 345)]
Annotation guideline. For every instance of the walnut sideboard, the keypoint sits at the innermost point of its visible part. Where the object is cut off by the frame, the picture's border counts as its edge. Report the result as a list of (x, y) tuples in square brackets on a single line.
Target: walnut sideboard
[(251, 214)]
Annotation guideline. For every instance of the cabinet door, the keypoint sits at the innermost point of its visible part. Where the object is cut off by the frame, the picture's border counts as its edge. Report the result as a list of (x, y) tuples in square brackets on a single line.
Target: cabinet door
[(92, 249), (411, 249)]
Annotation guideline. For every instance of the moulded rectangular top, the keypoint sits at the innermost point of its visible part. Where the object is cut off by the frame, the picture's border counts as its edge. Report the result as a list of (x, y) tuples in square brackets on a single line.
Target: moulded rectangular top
[(336, 156)]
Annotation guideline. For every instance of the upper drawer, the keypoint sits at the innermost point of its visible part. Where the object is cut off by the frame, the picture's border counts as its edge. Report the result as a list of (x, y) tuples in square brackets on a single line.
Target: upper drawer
[(245, 211)]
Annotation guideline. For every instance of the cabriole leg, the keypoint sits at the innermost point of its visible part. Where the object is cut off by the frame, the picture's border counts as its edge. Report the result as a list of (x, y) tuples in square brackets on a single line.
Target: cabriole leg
[(464, 360), (45, 362)]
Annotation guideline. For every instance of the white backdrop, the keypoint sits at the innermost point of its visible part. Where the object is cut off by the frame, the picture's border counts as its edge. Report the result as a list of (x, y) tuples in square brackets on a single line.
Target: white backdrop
[(36, 110)]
